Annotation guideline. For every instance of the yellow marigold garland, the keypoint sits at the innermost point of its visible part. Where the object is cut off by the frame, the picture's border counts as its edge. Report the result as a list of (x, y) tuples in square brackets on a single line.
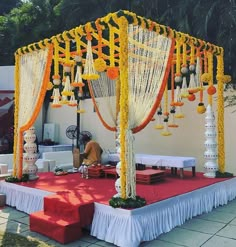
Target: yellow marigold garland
[(16, 111), (220, 117), (124, 100)]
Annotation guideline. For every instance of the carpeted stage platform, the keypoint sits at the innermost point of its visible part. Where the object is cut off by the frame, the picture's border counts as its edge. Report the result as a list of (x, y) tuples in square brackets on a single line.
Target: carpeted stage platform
[(170, 202)]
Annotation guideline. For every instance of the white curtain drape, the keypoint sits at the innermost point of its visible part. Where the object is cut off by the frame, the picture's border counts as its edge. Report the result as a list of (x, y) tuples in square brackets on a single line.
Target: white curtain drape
[(32, 67), (148, 55)]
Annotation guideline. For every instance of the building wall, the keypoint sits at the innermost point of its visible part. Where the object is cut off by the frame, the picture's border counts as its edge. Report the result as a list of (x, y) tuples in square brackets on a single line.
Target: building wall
[(7, 78), (186, 140)]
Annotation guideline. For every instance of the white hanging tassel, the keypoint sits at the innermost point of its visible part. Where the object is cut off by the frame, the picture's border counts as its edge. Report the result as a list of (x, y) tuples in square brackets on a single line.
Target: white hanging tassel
[(67, 88), (64, 99), (159, 124), (192, 88), (179, 113), (184, 90), (89, 70), (166, 131), (73, 101), (172, 123), (78, 78), (56, 98)]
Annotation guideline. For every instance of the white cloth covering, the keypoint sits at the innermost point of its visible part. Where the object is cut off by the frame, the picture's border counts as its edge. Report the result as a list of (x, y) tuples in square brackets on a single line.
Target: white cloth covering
[(128, 228), (25, 199), (160, 160)]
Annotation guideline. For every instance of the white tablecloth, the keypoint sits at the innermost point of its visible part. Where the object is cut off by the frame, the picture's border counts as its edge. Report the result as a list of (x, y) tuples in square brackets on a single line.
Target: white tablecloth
[(159, 160)]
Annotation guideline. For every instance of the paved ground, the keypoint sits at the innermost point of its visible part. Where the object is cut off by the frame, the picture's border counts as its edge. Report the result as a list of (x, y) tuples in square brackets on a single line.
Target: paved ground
[(215, 229)]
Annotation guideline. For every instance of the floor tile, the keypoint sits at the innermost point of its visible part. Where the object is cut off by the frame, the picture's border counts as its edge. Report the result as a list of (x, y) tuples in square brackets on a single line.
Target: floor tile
[(217, 216), (89, 239), (12, 214), (204, 226), (217, 241), (105, 244), (229, 208), (158, 243), (73, 244), (233, 222), (24, 220), (14, 227), (35, 235), (185, 237), (229, 232), (3, 220)]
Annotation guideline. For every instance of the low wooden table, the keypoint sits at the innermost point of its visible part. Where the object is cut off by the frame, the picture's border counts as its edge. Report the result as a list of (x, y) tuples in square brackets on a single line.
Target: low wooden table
[(149, 176), (95, 171), (110, 171)]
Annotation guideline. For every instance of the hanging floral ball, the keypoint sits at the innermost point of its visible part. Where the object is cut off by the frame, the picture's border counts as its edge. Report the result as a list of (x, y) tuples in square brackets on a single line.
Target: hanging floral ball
[(112, 73), (211, 90), (178, 78), (201, 108), (191, 97), (100, 64), (184, 70), (192, 68), (49, 86), (206, 77)]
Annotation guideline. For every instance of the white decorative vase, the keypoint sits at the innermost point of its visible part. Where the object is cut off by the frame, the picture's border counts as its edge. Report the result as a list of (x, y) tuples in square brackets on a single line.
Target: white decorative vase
[(210, 154), (118, 188), (31, 155)]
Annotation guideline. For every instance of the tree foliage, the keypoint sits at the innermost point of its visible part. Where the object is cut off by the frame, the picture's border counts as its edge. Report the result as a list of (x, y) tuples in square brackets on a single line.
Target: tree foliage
[(28, 21)]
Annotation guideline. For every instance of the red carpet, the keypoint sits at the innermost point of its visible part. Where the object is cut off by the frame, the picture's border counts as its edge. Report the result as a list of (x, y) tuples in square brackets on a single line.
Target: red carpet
[(102, 189)]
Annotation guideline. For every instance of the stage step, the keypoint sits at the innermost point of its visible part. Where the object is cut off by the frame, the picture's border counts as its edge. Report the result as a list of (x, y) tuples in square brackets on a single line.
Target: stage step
[(62, 218), (62, 230), (69, 207)]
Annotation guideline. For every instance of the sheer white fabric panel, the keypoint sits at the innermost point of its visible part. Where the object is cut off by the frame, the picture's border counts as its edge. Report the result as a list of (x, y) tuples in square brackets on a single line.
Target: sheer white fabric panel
[(105, 94), (148, 54), (32, 68), (31, 72), (128, 228), (25, 199), (148, 57)]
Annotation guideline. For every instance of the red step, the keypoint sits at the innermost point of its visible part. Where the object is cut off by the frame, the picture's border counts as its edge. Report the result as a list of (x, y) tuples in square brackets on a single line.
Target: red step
[(69, 207), (62, 230)]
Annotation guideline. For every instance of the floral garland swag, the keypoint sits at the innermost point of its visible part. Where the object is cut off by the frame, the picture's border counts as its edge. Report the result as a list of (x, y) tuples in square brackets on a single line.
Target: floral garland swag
[(135, 66)]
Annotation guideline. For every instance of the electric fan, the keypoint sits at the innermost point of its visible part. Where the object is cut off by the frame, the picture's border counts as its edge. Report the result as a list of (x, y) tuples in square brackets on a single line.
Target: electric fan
[(71, 133)]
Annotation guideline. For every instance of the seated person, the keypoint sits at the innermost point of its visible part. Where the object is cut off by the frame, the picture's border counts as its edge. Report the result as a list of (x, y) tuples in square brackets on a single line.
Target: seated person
[(92, 153)]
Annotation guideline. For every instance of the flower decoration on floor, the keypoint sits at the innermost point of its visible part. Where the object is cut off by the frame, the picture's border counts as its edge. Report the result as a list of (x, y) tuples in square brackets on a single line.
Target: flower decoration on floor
[(129, 203)]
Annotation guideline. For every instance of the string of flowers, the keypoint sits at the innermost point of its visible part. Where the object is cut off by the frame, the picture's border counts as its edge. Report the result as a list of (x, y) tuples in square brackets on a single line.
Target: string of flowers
[(184, 70), (221, 79), (16, 111), (99, 64), (166, 131), (211, 89), (112, 71), (124, 100)]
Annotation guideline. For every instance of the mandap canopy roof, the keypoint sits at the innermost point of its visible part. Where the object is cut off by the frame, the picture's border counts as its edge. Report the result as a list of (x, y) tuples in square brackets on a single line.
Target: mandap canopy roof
[(125, 59)]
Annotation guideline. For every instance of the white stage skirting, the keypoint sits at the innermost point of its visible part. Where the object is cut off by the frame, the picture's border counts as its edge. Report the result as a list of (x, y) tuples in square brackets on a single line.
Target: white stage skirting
[(25, 199), (128, 228)]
